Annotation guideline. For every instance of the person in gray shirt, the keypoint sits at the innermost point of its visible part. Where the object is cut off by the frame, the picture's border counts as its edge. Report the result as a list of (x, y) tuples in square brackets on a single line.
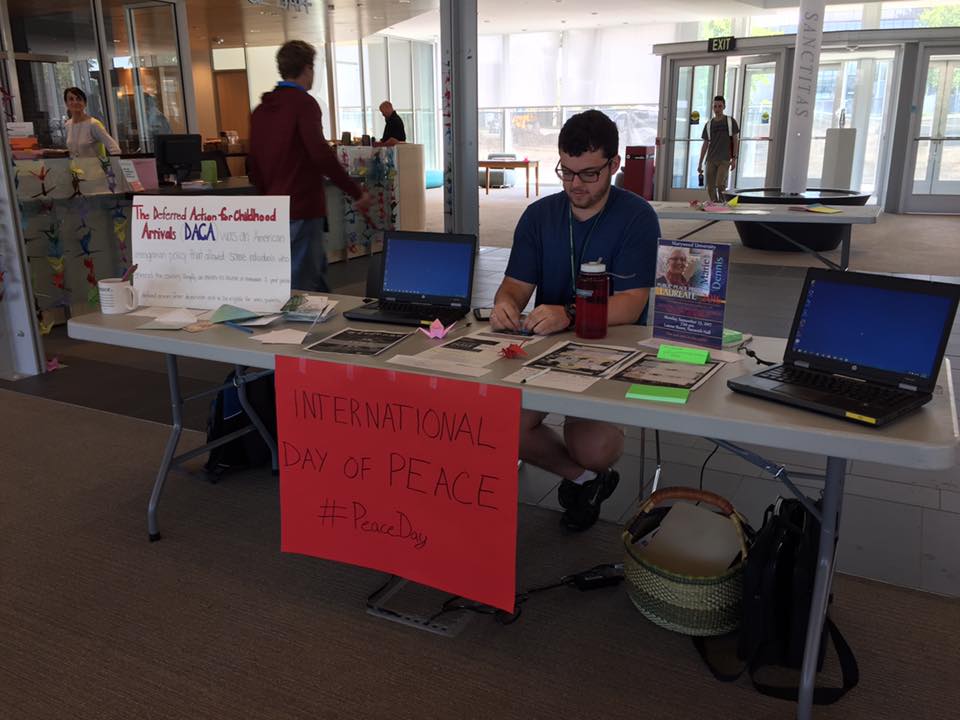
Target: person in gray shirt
[(721, 146)]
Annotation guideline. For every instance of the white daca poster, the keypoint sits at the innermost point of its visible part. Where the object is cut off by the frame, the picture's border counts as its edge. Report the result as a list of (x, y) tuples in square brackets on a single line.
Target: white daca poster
[(204, 251)]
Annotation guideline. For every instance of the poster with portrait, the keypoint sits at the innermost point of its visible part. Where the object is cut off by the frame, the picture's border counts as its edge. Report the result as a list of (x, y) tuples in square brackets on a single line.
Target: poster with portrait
[(691, 292)]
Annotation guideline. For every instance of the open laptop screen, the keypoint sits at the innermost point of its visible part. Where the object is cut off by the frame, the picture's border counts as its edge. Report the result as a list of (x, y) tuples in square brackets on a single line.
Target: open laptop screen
[(428, 266), (899, 329)]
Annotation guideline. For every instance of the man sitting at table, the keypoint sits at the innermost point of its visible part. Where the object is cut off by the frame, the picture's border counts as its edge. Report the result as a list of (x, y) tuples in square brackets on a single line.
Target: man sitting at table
[(590, 219)]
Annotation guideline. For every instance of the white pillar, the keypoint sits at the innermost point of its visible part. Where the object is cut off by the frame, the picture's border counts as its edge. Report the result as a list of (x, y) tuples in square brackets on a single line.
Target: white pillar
[(803, 90)]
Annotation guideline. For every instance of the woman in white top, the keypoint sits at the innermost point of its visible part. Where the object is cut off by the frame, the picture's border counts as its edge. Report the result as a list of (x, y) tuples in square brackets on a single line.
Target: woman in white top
[(86, 136)]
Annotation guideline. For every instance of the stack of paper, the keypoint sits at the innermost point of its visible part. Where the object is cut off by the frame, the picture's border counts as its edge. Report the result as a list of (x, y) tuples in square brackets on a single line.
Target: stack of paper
[(309, 308)]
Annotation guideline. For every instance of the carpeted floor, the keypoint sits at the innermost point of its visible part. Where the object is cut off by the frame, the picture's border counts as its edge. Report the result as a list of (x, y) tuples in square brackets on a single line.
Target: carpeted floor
[(214, 622), (910, 244)]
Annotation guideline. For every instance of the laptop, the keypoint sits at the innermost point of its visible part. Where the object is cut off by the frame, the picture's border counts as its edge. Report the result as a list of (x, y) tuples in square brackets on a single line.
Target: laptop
[(424, 277), (866, 348)]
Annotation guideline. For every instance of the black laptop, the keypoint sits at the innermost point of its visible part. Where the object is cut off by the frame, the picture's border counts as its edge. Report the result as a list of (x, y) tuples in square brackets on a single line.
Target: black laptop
[(424, 277), (866, 348)]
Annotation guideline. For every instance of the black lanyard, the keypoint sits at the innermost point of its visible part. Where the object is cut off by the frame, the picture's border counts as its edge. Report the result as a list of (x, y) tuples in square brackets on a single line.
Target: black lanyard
[(583, 250)]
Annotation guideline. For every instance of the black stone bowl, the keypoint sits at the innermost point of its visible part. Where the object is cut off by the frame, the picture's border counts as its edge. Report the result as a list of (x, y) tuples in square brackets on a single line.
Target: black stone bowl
[(816, 236)]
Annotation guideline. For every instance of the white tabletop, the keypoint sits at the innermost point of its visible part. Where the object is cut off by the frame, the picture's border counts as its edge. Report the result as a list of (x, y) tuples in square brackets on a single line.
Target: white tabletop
[(927, 438), (756, 212)]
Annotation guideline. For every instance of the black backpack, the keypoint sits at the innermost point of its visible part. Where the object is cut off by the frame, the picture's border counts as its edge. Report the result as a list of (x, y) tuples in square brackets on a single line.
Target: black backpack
[(777, 591), (227, 416)]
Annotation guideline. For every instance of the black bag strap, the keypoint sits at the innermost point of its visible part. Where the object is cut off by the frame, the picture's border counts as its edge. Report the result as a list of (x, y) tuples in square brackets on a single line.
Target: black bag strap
[(849, 673), (700, 644)]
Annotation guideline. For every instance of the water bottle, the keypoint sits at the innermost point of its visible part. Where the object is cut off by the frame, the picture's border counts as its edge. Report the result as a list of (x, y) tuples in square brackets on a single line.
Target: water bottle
[(593, 289), (700, 179)]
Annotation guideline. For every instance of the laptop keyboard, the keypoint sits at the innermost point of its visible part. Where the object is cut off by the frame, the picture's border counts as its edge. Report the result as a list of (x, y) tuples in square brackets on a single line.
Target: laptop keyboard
[(399, 308), (866, 393)]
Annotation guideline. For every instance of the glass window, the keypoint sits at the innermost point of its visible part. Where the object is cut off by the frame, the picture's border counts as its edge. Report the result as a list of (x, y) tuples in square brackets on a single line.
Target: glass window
[(401, 82), (424, 84), (375, 81), (538, 55), (533, 135), (62, 47), (490, 131)]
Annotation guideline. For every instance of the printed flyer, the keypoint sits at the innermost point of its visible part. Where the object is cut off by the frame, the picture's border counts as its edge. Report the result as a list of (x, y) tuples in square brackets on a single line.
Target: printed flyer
[(691, 292)]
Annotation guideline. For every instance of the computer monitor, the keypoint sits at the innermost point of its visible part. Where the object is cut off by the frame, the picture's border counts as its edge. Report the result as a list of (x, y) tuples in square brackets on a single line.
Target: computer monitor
[(178, 155)]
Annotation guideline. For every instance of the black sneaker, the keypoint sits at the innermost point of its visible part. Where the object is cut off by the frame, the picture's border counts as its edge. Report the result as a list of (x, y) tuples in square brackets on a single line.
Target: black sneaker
[(582, 502)]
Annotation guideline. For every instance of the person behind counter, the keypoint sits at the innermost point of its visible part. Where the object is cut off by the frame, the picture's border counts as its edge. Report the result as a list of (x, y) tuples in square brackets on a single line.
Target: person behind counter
[(393, 131), (86, 136)]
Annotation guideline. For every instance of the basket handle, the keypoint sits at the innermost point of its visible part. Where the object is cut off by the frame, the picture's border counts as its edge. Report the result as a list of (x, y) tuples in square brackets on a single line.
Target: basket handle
[(683, 493)]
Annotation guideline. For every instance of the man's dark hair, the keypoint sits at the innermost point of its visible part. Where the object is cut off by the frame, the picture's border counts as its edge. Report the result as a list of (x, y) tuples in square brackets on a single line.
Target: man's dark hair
[(720, 98), (74, 91), (294, 57), (588, 131)]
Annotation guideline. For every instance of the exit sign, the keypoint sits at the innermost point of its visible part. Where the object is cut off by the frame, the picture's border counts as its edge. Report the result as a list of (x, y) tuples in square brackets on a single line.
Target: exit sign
[(721, 44)]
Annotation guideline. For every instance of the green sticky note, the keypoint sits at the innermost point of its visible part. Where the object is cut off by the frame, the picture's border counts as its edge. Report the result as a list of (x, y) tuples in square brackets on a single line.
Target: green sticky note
[(731, 336), (658, 393), (208, 171), (231, 313), (693, 356)]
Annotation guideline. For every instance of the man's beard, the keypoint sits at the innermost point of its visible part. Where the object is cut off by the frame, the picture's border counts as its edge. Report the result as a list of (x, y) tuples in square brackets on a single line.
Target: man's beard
[(589, 199)]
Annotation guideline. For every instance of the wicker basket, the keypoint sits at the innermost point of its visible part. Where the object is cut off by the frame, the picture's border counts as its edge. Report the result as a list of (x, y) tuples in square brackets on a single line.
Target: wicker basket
[(686, 604)]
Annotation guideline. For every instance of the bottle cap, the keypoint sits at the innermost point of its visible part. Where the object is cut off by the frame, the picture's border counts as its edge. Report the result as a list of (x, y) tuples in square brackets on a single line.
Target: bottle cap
[(593, 267)]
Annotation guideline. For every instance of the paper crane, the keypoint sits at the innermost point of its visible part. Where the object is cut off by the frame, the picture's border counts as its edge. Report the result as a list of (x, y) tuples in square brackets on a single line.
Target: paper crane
[(76, 177), (513, 351), (85, 238), (437, 330), (7, 99), (42, 177)]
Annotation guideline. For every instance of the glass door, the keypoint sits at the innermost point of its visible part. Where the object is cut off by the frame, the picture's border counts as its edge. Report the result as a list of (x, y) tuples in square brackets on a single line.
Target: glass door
[(855, 87), (695, 82), (144, 62), (936, 161), (758, 77)]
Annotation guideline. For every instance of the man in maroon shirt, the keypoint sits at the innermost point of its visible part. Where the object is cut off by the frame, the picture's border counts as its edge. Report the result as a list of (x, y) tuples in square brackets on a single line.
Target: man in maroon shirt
[(290, 156)]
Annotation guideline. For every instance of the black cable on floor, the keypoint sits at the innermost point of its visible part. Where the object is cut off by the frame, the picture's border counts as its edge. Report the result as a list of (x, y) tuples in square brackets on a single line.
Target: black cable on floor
[(598, 576), (704, 466)]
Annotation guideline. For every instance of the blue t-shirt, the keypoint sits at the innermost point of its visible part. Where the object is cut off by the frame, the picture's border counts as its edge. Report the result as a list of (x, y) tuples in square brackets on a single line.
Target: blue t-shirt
[(624, 236)]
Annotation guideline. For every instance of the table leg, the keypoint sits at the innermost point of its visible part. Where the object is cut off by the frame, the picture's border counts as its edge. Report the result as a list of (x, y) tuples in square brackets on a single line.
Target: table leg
[(528, 179), (830, 521), (845, 252), (825, 260), (536, 175), (698, 229), (488, 181), (255, 419), (176, 408)]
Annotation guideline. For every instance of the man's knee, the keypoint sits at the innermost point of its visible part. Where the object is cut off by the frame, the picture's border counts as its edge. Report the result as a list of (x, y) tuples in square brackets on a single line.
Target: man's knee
[(593, 445), (530, 419)]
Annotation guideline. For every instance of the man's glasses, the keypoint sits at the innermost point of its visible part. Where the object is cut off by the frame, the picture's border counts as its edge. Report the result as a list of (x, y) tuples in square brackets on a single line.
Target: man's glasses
[(589, 175)]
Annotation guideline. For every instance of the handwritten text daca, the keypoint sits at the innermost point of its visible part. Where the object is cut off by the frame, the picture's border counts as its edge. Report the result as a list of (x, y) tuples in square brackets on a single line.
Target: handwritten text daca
[(443, 425)]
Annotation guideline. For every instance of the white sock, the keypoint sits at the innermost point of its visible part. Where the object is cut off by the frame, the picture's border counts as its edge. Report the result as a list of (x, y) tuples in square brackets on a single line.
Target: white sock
[(585, 477)]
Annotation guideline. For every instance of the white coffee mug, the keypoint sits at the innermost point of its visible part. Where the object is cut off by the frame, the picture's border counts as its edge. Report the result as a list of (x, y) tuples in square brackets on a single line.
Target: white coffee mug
[(117, 296)]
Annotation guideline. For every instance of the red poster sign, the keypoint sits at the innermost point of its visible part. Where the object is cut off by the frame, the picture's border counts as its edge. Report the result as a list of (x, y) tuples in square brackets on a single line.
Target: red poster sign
[(409, 474)]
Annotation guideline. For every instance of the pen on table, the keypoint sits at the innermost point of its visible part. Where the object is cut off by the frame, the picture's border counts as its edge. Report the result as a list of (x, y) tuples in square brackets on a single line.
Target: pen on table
[(242, 328), (534, 376), (129, 272)]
